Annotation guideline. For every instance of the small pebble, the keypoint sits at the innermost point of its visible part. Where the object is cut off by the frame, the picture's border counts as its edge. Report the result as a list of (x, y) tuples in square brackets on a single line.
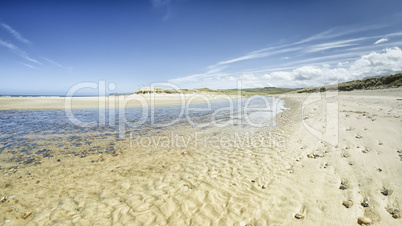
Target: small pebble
[(263, 187), (310, 156), (343, 187), (365, 203), (358, 137), (299, 216), (385, 192), (363, 220), (347, 204), (253, 181), (58, 160)]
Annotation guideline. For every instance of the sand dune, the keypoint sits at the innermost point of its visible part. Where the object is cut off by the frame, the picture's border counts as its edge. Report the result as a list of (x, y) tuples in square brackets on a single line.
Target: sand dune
[(245, 185)]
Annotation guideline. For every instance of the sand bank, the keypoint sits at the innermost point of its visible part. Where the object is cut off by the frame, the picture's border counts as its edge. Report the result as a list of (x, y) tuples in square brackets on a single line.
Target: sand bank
[(135, 100), (314, 167)]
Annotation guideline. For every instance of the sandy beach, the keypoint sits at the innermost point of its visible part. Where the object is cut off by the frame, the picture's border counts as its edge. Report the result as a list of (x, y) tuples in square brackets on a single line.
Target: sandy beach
[(335, 159)]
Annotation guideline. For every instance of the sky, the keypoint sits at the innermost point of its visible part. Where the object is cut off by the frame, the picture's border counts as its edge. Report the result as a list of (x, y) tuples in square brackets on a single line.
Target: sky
[(50, 47)]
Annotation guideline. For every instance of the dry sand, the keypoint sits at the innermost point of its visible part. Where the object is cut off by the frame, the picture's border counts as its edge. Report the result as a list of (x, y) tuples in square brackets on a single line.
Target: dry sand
[(232, 186)]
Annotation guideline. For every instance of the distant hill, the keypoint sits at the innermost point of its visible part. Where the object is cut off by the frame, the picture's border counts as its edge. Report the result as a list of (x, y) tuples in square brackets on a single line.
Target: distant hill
[(369, 83)]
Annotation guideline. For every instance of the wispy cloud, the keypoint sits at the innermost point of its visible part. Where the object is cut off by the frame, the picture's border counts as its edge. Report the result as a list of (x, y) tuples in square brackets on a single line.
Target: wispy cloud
[(380, 41), (261, 53), (339, 32), (333, 45), (385, 62), (331, 33), (30, 66), (320, 59), (164, 5), (18, 51), (160, 3), (16, 34), (56, 64), (245, 57), (53, 62)]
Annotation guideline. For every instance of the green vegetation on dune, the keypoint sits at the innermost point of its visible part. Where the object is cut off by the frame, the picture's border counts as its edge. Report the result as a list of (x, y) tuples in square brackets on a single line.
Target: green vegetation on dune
[(369, 83)]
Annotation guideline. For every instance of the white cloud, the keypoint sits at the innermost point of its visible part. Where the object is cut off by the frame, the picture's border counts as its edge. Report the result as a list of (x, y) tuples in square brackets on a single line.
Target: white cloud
[(332, 55), (381, 41), (377, 63), (16, 34), (385, 62)]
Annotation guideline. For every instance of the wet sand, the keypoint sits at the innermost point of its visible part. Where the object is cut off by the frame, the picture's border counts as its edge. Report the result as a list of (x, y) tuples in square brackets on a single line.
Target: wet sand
[(307, 173)]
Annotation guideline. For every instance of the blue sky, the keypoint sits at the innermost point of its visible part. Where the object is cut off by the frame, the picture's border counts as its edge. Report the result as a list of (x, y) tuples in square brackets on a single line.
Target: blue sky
[(47, 47)]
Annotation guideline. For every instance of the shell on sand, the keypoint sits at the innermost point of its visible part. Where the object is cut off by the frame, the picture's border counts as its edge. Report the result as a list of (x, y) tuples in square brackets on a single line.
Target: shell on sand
[(26, 215)]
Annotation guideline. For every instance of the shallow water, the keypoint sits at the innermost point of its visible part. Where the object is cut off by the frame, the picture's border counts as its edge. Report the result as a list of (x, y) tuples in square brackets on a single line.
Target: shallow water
[(28, 135)]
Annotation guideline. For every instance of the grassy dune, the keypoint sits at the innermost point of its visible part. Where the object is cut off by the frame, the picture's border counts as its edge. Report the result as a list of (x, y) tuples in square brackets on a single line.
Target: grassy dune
[(369, 83)]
